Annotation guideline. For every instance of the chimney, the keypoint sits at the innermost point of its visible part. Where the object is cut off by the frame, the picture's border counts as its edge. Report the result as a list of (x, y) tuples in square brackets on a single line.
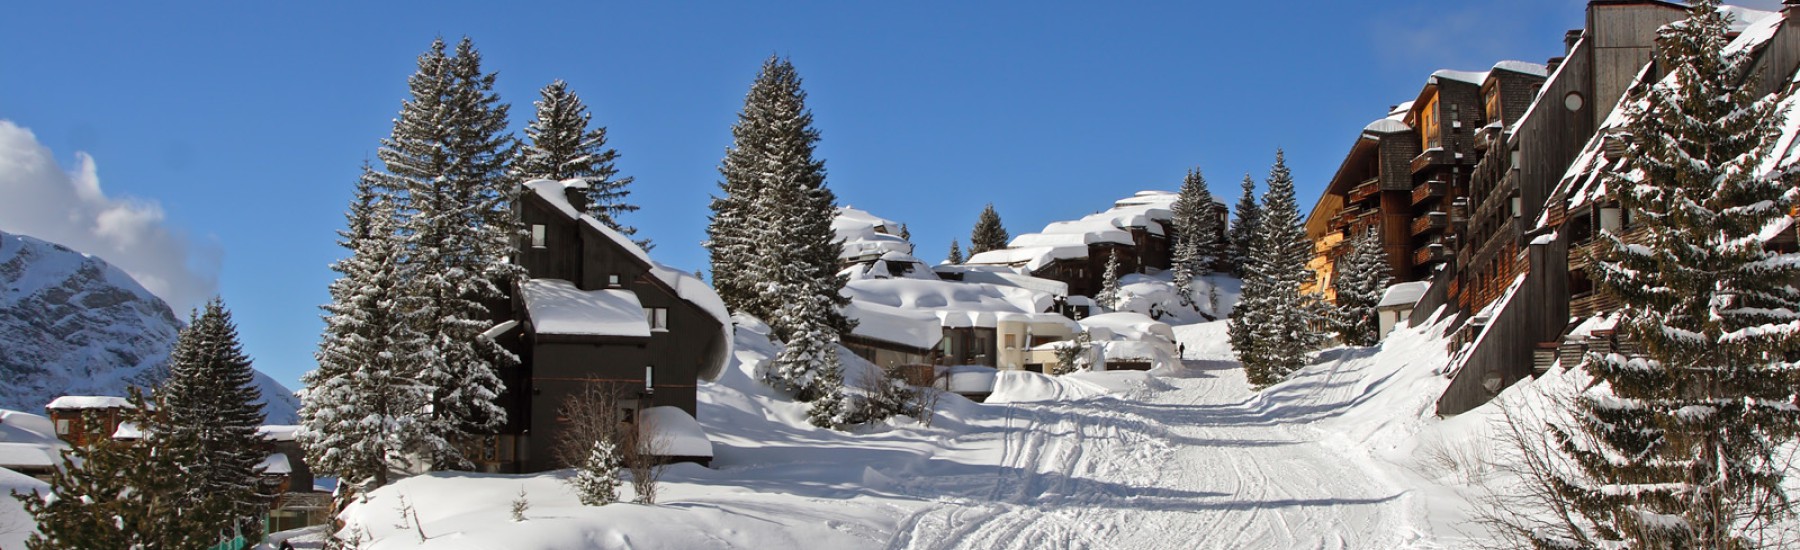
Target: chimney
[(1551, 65), (1569, 40)]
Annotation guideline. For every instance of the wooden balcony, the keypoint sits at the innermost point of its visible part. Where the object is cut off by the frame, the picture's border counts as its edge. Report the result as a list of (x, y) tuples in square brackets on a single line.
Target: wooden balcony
[(1432, 221), (1429, 190), (1365, 190), (1591, 303), (1429, 253)]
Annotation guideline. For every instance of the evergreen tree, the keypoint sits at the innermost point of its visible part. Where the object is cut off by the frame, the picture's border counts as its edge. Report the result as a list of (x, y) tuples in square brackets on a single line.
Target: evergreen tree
[(770, 235), (563, 147), (1678, 441), (830, 409), (361, 410), (596, 481), (955, 256), (988, 233), (1108, 297), (1362, 277), (211, 409), (1276, 322), (445, 163), (115, 495), (1196, 234), (1243, 232)]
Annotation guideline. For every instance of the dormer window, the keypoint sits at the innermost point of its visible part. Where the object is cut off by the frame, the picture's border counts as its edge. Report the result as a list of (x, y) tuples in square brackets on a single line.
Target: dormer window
[(537, 235), (1428, 125), (658, 317), (1492, 99)]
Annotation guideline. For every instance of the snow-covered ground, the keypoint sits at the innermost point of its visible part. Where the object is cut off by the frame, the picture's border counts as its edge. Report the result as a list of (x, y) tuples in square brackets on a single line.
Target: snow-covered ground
[(1183, 457)]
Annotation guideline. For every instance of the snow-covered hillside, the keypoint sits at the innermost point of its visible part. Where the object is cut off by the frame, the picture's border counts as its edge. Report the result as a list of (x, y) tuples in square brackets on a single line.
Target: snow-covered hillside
[(70, 324), (1184, 457)]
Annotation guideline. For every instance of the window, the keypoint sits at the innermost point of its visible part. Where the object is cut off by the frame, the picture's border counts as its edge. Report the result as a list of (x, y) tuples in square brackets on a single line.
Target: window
[(1573, 101), (1493, 104), (649, 379), (62, 426), (1012, 341), (612, 281), (1428, 124), (537, 235), (658, 317)]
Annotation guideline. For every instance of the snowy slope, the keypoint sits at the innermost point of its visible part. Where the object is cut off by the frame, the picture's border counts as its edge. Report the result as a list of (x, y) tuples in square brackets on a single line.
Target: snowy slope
[(70, 324), (1183, 457)]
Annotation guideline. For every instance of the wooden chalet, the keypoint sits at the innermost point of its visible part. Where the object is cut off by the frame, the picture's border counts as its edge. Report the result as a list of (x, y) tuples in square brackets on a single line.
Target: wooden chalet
[(595, 309), (1520, 284), (84, 420), (1135, 230)]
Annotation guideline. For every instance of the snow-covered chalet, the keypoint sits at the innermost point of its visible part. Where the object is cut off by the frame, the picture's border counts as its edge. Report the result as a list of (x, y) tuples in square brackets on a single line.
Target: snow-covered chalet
[(595, 309)]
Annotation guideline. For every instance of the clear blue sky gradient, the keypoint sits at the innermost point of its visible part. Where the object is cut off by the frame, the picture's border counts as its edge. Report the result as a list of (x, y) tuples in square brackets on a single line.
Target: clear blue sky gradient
[(247, 121)]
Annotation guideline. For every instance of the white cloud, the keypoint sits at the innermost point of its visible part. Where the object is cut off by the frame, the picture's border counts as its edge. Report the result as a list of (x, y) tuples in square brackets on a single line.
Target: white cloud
[(40, 199)]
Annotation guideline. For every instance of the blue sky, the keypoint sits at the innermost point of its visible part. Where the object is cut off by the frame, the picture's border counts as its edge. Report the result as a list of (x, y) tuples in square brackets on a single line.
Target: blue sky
[(242, 124)]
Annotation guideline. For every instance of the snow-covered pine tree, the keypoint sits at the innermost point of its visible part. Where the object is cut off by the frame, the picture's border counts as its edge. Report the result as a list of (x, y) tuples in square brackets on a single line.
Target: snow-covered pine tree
[(1361, 278), (1243, 232), (561, 147), (988, 233), (809, 350), (446, 164), (1279, 326), (210, 407), (596, 481), (770, 235), (111, 495), (831, 409), (1679, 442), (955, 256), (361, 410), (1196, 232), (1108, 297)]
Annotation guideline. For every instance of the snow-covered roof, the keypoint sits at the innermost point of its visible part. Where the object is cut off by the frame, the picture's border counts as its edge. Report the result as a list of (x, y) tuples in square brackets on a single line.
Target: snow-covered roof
[(76, 402), (1005, 276), (555, 193), (1471, 77), (275, 464), (278, 432), (1523, 67), (24, 427), (557, 307), (1746, 20), (1126, 325), (863, 234), (27, 456), (676, 432), (697, 292), (1387, 126), (908, 327), (1065, 240), (956, 304), (1403, 294)]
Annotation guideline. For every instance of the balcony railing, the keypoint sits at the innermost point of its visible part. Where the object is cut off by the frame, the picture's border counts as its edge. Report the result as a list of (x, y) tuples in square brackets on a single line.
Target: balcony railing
[(1429, 253), (1429, 190), (1434, 221), (1365, 190)]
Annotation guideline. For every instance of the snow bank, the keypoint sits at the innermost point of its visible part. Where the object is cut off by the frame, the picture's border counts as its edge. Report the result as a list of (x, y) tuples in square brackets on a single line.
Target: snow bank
[(1030, 387), (679, 434), (557, 307), (1156, 296)]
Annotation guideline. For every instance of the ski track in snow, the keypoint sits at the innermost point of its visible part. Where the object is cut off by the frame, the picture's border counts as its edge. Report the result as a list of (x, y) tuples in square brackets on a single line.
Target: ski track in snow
[(1202, 465)]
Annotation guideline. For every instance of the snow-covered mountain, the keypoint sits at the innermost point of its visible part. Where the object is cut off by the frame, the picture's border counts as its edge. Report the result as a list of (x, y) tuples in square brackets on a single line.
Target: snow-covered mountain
[(71, 324)]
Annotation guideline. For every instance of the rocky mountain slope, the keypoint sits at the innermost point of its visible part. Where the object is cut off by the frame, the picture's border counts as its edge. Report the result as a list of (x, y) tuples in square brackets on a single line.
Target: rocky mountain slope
[(71, 324)]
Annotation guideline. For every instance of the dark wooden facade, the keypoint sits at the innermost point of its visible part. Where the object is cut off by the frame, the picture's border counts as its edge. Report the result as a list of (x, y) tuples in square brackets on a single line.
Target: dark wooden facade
[(555, 367)]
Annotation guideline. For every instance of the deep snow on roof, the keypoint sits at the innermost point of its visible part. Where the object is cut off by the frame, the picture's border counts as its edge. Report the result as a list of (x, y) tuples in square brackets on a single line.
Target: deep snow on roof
[(278, 432), (27, 455), (1066, 240), (1387, 126), (909, 327), (1471, 77), (1524, 67), (697, 292), (863, 234), (955, 304), (73, 402), (1403, 294), (557, 307), (275, 464)]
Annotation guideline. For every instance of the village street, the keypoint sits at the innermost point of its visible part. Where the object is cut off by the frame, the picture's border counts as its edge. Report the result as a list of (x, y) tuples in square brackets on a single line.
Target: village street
[(1192, 461)]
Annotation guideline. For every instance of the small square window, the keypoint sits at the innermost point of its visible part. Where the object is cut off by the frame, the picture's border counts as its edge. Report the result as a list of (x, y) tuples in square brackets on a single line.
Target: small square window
[(612, 280), (658, 317), (537, 236), (62, 426)]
